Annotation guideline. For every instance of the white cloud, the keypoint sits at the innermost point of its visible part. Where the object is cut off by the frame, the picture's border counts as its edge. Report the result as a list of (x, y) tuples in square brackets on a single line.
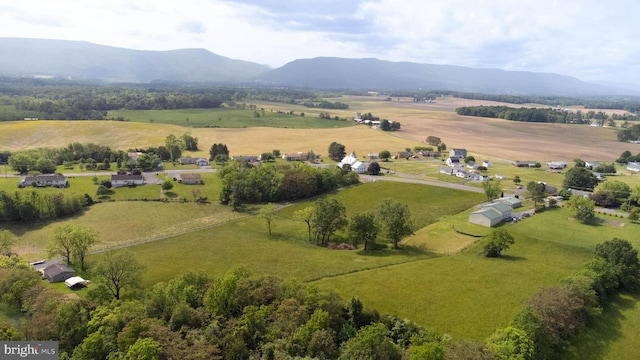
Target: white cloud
[(589, 39)]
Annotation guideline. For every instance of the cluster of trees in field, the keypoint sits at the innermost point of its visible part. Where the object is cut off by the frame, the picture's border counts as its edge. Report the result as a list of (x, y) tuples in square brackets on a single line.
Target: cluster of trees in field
[(554, 316), (630, 133), (327, 216), (529, 114), (274, 182), (39, 205)]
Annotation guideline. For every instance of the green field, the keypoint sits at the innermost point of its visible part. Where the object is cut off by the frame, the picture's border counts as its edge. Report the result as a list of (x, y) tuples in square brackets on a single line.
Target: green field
[(231, 118), (287, 253), (469, 296)]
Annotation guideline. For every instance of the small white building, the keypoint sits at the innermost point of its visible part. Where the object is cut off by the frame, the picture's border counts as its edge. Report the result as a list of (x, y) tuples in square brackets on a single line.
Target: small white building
[(121, 180), (633, 166)]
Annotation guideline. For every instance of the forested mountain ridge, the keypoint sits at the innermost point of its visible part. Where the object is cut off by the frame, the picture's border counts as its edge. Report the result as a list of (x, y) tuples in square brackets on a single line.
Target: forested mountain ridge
[(83, 60)]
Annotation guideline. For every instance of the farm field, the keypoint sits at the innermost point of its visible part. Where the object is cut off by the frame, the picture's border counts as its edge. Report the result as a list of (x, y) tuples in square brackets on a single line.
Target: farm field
[(466, 295), (493, 138), (232, 118)]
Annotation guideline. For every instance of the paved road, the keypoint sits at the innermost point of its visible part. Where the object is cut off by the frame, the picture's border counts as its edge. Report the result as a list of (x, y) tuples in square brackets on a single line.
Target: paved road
[(401, 178)]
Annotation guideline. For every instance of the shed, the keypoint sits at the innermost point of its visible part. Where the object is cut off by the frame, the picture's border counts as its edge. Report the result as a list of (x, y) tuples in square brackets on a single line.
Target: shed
[(75, 282), (57, 272)]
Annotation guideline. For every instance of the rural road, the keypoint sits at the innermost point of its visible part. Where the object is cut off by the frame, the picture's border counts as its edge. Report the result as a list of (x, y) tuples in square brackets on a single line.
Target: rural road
[(401, 178)]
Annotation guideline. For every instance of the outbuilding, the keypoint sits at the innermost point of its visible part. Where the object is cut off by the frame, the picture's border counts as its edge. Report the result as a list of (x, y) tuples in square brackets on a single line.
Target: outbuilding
[(75, 282), (58, 272)]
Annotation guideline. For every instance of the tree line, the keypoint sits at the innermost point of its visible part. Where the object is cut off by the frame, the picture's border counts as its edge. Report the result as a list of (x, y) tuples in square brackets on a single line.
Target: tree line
[(243, 183), (97, 157), (524, 114), (589, 102), (39, 205)]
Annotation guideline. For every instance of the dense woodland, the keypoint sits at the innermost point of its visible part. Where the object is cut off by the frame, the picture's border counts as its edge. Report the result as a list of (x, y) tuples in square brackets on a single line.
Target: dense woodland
[(67, 100)]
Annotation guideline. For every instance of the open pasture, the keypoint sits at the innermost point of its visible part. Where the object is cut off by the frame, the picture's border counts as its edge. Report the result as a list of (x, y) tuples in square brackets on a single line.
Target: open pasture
[(232, 118), (287, 253), (469, 296)]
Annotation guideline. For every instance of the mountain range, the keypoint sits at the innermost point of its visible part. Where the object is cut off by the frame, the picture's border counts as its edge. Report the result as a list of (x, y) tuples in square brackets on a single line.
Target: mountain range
[(87, 61)]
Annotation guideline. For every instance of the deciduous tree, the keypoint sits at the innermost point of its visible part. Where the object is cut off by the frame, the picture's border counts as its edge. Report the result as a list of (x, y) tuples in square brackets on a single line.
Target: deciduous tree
[(584, 208), (120, 270), (535, 192), (336, 151), (307, 214), (492, 189), (384, 155), (330, 215), (579, 178), (395, 218), (498, 241), (363, 229), (7, 239), (623, 257), (373, 168), (268, 212)]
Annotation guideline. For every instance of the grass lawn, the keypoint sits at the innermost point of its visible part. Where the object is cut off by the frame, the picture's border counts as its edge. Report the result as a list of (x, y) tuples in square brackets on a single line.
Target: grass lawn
[(612, 335), (125, 222)]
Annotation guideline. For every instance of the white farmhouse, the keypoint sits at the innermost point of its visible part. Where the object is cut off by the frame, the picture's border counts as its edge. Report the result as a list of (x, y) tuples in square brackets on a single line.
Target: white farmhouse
[(358, 166)]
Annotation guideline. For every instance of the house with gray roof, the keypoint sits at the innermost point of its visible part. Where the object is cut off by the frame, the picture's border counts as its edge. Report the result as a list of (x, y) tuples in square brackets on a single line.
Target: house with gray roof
[(459, 153), (57, 272), (55, 180)]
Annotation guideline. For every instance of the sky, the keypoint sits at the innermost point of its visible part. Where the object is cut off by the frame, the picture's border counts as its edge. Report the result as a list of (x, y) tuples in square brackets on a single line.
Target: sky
[(593, 40)]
